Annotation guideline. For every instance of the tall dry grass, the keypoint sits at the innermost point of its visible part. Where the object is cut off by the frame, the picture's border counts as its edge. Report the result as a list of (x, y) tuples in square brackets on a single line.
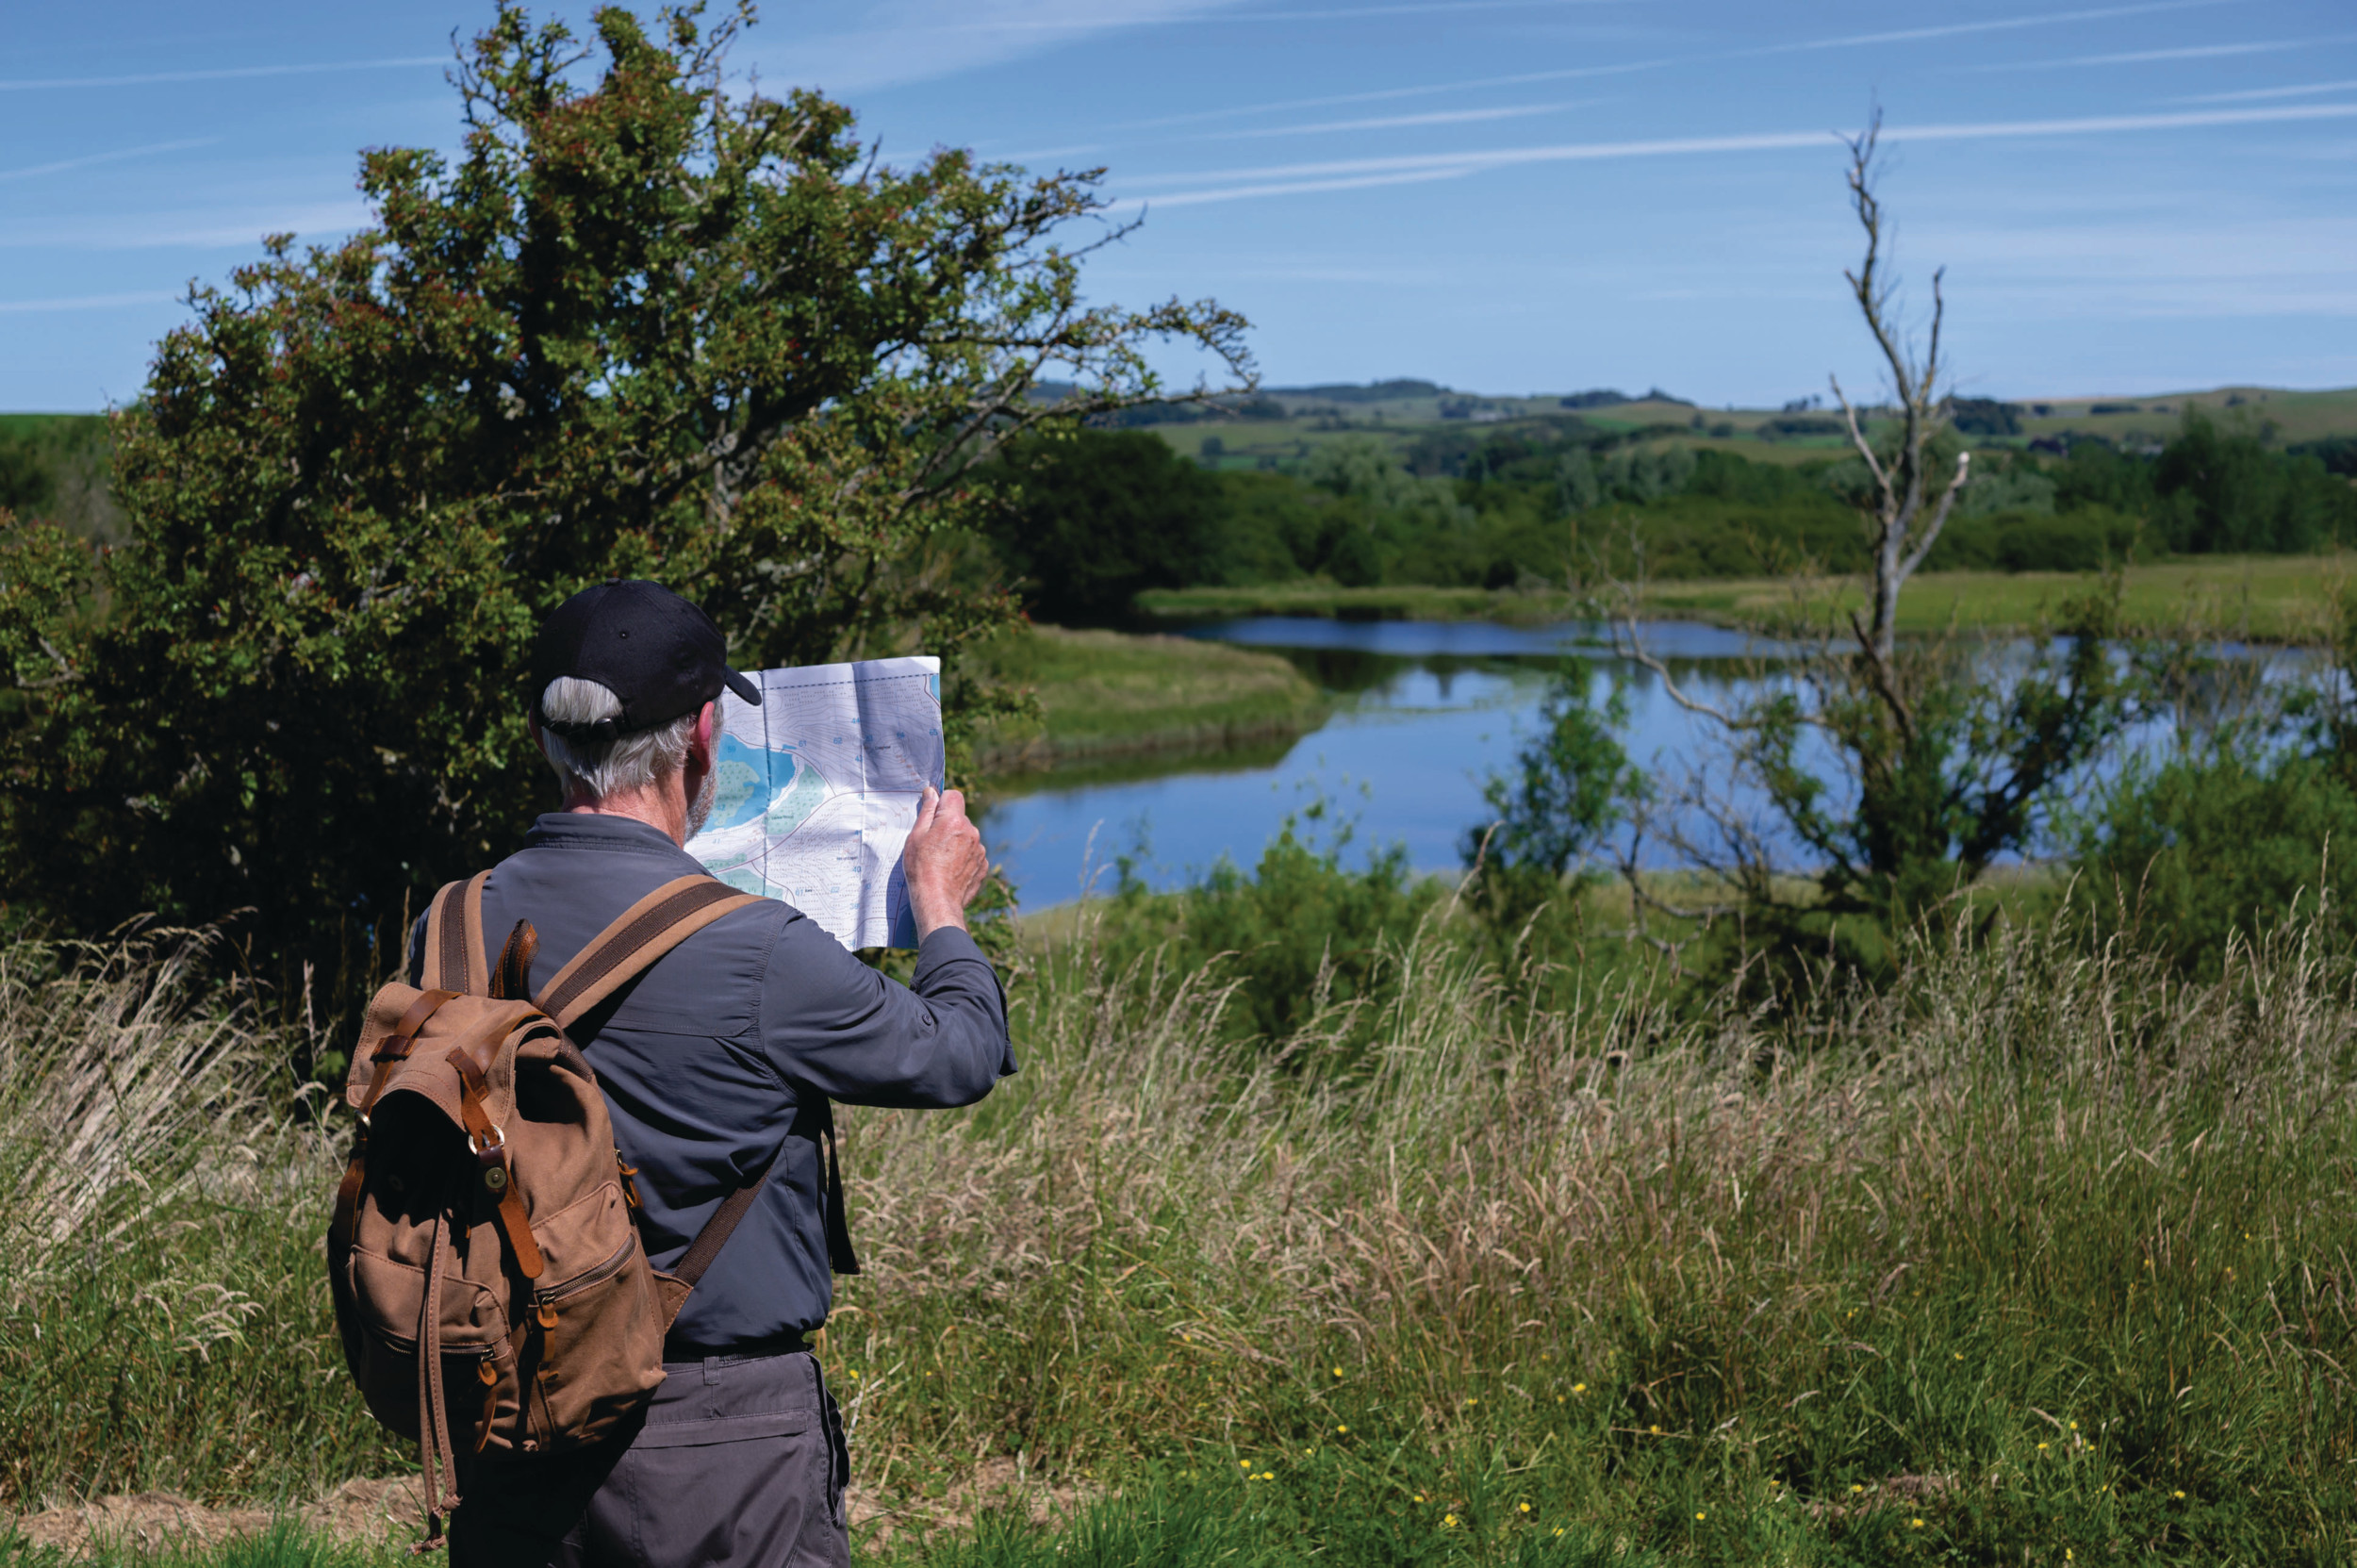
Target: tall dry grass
[(2037, 1249), (162, 1303), (2037, 1234)]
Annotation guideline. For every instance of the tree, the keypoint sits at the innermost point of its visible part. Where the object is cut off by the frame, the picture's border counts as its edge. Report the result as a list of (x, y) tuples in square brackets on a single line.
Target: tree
[(642, 324), (1553, 815), (1883, 776), (1099, 516)]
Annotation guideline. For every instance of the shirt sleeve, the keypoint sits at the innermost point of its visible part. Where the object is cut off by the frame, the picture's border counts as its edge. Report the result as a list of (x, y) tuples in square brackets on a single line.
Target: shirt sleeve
[(860, 1038)]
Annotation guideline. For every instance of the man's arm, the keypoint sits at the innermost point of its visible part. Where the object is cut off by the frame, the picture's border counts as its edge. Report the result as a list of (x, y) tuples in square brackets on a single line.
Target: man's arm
[(830, 1021)]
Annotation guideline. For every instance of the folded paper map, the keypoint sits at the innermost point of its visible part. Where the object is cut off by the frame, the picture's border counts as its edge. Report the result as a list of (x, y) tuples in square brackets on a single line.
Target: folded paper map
[(816, 788)]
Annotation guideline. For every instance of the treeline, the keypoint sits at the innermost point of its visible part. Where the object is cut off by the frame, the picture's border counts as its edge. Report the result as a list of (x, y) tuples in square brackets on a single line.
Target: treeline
[(1093, 520), (54, 466)]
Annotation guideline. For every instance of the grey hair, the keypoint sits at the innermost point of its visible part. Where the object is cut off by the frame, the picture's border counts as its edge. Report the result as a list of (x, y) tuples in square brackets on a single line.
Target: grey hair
[(599, 768)]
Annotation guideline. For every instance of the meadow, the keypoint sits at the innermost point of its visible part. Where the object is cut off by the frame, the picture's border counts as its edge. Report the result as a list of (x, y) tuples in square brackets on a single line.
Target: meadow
[(1104, 696), (2265, 598), (2037, 1254)]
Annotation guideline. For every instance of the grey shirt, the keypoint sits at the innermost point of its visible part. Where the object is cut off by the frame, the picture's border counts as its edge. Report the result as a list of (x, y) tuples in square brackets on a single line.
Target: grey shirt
[(717, 1058)]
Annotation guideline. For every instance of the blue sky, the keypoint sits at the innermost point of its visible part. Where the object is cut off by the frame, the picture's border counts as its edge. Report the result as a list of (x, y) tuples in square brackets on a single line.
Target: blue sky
[(1504, 196)]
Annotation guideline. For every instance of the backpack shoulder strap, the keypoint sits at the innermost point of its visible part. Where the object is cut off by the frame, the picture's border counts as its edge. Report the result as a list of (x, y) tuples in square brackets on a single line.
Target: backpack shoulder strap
[(453, 938), (638, 936)]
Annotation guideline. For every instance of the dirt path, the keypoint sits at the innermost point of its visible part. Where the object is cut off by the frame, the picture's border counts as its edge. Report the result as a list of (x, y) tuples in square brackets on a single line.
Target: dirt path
[(392, 1510)]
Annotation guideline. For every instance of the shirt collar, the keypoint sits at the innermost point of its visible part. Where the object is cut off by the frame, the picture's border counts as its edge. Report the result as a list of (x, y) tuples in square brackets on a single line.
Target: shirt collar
[(585, 830)]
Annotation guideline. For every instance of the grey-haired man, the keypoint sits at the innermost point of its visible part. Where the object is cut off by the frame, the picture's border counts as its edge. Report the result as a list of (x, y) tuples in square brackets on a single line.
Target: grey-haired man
[(725, 1055)]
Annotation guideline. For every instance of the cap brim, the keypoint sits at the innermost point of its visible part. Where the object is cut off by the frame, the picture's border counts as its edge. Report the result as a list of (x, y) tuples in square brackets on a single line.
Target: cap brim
[(740, 685)]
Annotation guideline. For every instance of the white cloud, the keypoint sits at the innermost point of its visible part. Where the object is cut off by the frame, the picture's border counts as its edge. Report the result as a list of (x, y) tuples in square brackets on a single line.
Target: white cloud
[(2189, 51), (1393, 122), (85, 302), (1276, 180), (87, 160), (1910, 35), (220, 73), (914, 41), (1528, 78), (200, 230), (2258, 94)]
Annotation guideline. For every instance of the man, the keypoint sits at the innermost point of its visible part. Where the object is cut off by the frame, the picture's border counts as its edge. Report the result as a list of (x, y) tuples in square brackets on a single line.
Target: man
[(724, 1055)]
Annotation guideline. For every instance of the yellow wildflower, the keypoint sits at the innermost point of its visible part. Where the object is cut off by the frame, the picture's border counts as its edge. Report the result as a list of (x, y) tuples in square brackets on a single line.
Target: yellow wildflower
[(1525, 1507)]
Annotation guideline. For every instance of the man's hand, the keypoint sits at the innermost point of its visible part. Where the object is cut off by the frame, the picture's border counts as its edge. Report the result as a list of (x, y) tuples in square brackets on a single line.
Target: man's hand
[(944, 862)]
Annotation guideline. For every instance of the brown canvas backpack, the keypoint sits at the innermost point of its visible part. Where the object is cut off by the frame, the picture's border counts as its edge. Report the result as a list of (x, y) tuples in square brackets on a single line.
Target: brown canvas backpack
[(488, 1278)]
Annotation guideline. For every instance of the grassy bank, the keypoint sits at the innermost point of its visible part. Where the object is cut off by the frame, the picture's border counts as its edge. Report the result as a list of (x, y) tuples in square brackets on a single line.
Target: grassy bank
[(1105, 696), (2268, 598), (2034, 1253), (1326, 602)]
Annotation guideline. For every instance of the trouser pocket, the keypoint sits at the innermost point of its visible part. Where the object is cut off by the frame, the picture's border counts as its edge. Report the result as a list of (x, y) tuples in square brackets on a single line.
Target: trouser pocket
[(838, 1447)]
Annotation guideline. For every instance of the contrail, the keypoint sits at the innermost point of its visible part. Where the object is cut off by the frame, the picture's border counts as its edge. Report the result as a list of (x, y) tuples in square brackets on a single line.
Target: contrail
[(220, 73), (1279, 180), (86, 160)]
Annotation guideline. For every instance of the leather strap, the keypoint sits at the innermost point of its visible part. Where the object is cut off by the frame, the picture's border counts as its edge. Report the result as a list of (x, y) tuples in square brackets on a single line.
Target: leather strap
[(491, 1152), (840, 1257), (453, 936), (511, 977), (716, 1231), (640, 935)]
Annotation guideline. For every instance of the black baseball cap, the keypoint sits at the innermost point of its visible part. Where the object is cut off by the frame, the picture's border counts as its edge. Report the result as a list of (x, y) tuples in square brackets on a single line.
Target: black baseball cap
[(660, 654)]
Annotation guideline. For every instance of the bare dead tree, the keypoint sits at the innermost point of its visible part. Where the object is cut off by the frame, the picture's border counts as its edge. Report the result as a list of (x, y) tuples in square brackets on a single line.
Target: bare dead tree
[(1903, 521)]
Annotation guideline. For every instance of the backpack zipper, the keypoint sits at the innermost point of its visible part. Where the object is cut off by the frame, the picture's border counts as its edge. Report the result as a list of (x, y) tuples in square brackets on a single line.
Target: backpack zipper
[(544, 1301)]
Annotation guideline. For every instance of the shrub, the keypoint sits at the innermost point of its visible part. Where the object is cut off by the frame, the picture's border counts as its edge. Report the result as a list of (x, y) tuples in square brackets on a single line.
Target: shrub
[(2185, 856), (1298, 934)]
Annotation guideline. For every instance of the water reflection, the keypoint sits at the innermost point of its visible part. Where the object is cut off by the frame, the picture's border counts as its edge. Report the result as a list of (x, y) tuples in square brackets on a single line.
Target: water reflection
[(1426, 712)]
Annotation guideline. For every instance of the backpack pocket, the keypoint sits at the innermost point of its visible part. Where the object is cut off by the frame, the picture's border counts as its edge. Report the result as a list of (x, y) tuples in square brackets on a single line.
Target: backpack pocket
[(591, 1342)]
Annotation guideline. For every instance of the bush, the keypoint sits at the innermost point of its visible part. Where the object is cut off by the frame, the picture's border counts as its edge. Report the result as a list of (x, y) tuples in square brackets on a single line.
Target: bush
[(2187, 856), (1295, 936)]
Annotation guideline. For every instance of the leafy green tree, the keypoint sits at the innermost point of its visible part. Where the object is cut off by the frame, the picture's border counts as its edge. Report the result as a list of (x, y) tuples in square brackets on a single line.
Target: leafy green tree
[(1570, 787), (641, 324), (2218, 488), (1099, 516)]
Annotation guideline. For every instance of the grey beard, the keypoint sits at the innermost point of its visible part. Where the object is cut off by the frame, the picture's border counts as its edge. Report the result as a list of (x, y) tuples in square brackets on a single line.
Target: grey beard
[(699, 809)]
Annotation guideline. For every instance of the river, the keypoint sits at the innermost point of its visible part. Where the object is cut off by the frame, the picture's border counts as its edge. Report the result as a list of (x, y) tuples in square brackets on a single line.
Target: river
[(1424, 712)]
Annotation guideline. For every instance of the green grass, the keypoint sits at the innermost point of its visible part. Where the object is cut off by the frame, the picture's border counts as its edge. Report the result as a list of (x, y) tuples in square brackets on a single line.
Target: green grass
[(1327, 601), (2036, 1246), (1105, 698), (2267, 598), (282, 1545)]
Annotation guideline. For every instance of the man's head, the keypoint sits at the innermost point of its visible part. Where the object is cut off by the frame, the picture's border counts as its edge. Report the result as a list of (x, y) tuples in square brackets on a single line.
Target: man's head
[(624, 675)]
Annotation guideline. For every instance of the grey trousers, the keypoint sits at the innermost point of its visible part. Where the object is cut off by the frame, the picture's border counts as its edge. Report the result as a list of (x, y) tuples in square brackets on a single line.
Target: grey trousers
[(739, 1463)]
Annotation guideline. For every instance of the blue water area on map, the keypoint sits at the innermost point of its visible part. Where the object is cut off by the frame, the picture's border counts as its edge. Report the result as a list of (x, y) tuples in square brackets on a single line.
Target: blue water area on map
[(747, 778)]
